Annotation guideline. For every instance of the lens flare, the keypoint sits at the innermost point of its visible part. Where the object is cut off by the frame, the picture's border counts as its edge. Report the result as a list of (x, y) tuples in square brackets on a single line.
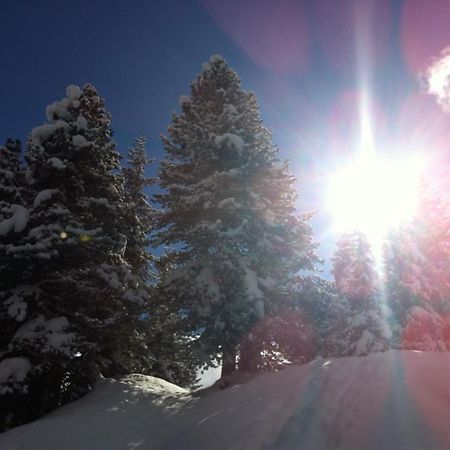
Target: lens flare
[(373, 195)]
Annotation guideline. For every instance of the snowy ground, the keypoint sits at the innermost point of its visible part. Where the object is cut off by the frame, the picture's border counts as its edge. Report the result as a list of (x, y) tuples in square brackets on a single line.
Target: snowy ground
[(394, 400)]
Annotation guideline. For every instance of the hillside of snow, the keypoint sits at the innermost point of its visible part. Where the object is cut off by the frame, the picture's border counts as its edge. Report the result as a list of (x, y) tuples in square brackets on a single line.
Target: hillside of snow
[(392, 400)]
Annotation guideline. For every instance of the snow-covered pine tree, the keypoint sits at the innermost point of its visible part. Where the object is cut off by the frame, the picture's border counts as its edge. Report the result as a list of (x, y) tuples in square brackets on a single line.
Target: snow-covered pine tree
[(13, 270), (357, 279), (292, 332), (417, 263), (430, 232), (353, 267), (13, 212), (157, 326), (228, 206), (325, 312), (75, 301), (139, 214), (401, 267), (11, 174)]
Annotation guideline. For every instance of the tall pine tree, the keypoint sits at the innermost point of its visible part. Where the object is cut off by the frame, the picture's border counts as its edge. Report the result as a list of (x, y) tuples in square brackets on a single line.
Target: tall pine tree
[(417, 262), (228, 209), (74, 305), (139, 214), (356, 279), (157, 325)]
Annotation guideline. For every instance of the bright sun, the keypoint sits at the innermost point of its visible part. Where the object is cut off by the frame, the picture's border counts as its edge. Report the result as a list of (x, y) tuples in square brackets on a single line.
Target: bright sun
[(373, 195)]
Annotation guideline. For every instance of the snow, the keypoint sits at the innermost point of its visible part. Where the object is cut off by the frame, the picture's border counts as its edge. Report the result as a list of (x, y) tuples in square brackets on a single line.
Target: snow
[(107, 273), (230, 109), (56, 163), (43, 132), (58, 110), (393, 400), (184, 99), (52, 331), (206, 280), (215, 59), (17, 222), (73, 92), (12, 372), (7, 174), (81, 123), (80, 141), (251, 282), (229, 202), (231, 141), (44, 196), (17, 308)]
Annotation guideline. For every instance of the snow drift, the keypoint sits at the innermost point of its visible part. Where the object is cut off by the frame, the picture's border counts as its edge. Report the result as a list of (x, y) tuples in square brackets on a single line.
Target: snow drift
[(392, 400)]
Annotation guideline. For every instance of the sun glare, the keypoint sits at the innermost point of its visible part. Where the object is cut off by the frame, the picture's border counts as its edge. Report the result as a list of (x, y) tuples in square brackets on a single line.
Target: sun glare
[(373, 195)]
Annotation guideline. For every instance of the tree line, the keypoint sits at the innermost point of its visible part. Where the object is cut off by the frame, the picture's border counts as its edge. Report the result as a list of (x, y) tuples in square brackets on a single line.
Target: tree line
[(84, 294)]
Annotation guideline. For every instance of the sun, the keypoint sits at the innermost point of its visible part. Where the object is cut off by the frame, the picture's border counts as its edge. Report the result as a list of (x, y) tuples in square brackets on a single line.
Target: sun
[(373, 195)]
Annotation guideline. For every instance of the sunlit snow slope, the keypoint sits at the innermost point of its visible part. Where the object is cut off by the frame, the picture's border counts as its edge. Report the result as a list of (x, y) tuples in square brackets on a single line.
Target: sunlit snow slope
[(393, 400)]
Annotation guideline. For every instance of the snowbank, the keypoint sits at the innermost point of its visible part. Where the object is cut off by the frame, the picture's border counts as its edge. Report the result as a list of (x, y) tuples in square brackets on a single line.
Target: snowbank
[(392, 400)]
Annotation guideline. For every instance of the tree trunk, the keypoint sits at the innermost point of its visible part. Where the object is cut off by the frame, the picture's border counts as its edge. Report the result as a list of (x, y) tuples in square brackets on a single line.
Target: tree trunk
[(250, 355), (228, 360)]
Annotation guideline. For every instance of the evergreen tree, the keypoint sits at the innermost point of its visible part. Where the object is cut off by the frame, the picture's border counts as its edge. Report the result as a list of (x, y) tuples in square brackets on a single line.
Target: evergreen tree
[(430, 235), (296, 332), (139, 215), (11, 174), (402, 266), (13, 221), (353, 267), (357, 280), (326, 312), (229, 209), (13, 212), (417, 261), (75, 302), (169, 357)]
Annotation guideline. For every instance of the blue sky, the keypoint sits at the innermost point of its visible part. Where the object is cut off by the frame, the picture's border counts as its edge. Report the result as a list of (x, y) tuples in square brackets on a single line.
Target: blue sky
[(307, 62)]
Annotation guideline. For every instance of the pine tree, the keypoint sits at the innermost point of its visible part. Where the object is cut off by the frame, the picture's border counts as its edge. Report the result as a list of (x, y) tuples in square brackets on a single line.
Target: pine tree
[(357, 280), (229, 208), (353, 267), (14, 217), (13, 212), (11, 174), (157, 326), (430, 233), (402, 266), (326, 312), (139, 215), (77, 297), (417, 262)]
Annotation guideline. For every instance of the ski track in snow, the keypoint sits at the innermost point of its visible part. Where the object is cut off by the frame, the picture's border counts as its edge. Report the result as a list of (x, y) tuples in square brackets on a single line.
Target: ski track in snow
[(393, 400)]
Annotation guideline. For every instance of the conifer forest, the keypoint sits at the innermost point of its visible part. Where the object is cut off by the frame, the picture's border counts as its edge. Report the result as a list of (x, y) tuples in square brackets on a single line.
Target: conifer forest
[(101, 278)]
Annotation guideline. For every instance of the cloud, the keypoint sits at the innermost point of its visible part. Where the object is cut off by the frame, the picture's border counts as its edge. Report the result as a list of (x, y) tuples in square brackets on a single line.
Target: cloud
[(438, 79)]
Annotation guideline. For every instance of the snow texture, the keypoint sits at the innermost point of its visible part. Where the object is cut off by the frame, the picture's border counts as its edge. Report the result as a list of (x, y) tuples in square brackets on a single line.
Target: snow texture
[(230, 140), (215, 59), (81, 123), (12, 373), (44, 196), (56, 163), (17, 222), (73, 92), (393, 400), (43, 132), (52, 331), (184, 99), (80, 141)]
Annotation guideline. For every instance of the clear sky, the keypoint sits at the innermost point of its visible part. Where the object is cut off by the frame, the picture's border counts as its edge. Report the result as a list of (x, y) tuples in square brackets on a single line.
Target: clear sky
[(315, 67)]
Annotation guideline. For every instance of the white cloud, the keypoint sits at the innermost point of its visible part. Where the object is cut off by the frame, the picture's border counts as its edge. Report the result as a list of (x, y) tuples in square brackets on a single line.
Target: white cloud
[(438, 79)]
